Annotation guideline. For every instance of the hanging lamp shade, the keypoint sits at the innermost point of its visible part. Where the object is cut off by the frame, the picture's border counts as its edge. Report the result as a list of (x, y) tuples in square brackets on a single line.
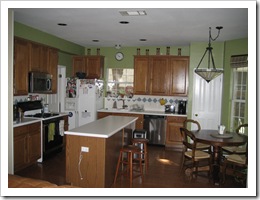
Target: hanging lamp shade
[(209, 73)]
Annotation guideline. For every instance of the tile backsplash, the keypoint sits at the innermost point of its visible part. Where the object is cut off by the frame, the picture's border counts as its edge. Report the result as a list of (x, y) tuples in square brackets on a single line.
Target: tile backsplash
[(148, 102)]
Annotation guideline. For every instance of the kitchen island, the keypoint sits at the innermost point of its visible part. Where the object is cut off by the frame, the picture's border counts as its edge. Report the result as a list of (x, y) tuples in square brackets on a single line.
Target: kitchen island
[(92, 151)]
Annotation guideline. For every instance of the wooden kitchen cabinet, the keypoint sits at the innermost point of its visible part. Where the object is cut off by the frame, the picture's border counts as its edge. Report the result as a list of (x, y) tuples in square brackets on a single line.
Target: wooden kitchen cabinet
[(78, 63), (93, 66), (173, 134), (138, 124), (161, 75), (38, 57), (178, 71), (27, 145), (141, 75), (31, 56), (21, 66)]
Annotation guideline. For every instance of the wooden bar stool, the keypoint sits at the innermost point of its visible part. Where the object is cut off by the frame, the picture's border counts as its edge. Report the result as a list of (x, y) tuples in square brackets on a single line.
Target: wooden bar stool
[(129, 150), (142, 143)]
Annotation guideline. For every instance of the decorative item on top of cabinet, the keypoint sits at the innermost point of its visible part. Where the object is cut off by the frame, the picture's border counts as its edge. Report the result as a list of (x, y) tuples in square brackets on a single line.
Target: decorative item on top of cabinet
[(167, 51), (173, 134)]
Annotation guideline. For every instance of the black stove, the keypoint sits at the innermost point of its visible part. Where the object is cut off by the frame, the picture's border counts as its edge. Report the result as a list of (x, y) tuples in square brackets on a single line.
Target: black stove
[(43, 115)]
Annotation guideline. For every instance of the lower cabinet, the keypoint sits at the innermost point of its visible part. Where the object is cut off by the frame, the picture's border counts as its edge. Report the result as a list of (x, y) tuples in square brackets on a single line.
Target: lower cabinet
[(27, 145), (173, 134), (138, 123)]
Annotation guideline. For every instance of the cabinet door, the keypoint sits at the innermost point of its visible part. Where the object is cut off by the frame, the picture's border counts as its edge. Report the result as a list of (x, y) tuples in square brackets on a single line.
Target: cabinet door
[(179, 67), (159, 75), (34, 142), (53, 68), (21, 66), (173, 134), (141, 74), (94, 66), (38, 58), (78, 64), (20, 147)]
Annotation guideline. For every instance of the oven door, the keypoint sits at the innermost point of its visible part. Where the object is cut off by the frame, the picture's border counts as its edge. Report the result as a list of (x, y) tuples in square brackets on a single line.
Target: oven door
[(52, 138)]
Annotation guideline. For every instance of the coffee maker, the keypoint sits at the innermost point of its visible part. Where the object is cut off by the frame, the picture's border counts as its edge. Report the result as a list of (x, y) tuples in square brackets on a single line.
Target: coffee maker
[(182, 107)]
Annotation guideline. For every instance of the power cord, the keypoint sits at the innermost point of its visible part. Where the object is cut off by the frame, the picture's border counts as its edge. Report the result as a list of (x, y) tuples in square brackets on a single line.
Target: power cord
[(80, 158)]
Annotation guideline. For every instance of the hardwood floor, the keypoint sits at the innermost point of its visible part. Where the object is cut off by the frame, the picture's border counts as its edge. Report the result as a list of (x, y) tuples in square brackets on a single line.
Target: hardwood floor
[(163, 172)]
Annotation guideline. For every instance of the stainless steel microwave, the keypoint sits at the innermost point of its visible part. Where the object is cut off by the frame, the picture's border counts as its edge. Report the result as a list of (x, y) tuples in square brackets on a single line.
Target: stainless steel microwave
[(40, 82)]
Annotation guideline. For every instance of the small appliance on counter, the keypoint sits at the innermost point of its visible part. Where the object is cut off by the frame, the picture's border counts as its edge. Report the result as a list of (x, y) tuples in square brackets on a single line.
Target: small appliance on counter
[(182, 107), (170, 108)]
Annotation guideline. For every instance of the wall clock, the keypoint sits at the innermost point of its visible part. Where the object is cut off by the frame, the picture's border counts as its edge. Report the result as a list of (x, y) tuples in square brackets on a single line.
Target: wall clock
[(119, 56)]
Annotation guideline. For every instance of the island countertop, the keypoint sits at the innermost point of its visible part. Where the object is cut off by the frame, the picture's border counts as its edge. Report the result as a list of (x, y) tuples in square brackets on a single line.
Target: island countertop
[(102, 128)]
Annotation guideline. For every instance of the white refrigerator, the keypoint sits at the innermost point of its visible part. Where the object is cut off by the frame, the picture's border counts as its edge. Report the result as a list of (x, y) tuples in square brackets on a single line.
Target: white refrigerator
[(83, 98)]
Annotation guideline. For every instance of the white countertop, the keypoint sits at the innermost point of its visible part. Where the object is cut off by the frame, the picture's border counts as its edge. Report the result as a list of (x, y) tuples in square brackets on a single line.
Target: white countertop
[(145, 112), (103, 128), (25, 121), (30, 120)]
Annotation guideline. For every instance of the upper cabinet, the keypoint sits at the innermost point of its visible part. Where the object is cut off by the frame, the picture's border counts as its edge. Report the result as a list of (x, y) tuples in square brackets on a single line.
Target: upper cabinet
[(141, 74), (31, 56), (93, 66), (161, 75), (38, 57), (21, 66), (178, 79)]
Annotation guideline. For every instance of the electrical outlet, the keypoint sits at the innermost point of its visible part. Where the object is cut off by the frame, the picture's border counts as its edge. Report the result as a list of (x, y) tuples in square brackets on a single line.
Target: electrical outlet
[(84, 149)]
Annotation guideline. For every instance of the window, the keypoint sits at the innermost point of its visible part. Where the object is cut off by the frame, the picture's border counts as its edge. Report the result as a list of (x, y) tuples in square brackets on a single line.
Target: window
[(239, 96), (120, 81)]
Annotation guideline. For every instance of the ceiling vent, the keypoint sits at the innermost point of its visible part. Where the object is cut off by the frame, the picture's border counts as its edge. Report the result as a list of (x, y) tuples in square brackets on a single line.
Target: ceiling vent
[(133, 13)]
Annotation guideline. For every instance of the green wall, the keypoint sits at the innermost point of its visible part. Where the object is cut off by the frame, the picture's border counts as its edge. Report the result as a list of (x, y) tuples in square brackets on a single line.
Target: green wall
[(232, 47), (66, 48)]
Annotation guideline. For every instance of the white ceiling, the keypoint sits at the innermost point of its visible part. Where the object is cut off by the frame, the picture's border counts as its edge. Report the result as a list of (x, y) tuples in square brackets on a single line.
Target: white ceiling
[(161, 26)]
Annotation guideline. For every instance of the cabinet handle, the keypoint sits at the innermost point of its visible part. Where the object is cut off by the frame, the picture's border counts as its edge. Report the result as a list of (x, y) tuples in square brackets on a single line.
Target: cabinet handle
[(196, 115)]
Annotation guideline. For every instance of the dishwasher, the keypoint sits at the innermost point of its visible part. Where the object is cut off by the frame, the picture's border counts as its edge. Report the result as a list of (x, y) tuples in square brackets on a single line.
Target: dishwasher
[(155, 125)]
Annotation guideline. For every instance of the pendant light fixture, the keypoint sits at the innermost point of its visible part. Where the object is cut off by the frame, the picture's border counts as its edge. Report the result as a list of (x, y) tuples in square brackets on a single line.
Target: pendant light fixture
[(209, 73)]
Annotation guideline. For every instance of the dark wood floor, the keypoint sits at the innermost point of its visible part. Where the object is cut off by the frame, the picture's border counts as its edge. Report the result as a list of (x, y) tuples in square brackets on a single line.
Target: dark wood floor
[(163, 172)]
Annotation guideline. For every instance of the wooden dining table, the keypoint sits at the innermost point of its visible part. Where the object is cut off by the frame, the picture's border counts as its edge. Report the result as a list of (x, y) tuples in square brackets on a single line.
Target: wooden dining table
[(217, 141)]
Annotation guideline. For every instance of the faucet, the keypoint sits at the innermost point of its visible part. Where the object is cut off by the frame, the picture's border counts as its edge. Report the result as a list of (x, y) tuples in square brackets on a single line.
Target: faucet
[(115, 105), (124, 105)]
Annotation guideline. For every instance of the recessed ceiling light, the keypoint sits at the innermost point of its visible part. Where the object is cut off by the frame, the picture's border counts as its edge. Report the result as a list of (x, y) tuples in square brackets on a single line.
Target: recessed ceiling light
[(124, 22), (143, 40), (95, 40), (62, 24)]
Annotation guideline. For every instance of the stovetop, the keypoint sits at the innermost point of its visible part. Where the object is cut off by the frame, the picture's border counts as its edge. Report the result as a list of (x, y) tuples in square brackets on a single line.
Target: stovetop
[(42, 115)]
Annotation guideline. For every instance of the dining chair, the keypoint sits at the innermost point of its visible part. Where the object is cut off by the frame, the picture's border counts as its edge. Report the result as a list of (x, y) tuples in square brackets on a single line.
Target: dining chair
[(200, 146), (236, 166), (241, 130), (193, 159)]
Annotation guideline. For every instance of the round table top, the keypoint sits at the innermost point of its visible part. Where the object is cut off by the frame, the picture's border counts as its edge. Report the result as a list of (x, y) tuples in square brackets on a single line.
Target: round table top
[(208, 136)]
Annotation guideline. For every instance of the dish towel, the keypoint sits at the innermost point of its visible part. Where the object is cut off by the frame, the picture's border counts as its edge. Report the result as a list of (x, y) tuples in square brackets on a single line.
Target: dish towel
[(61, 127), (51, 132)]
